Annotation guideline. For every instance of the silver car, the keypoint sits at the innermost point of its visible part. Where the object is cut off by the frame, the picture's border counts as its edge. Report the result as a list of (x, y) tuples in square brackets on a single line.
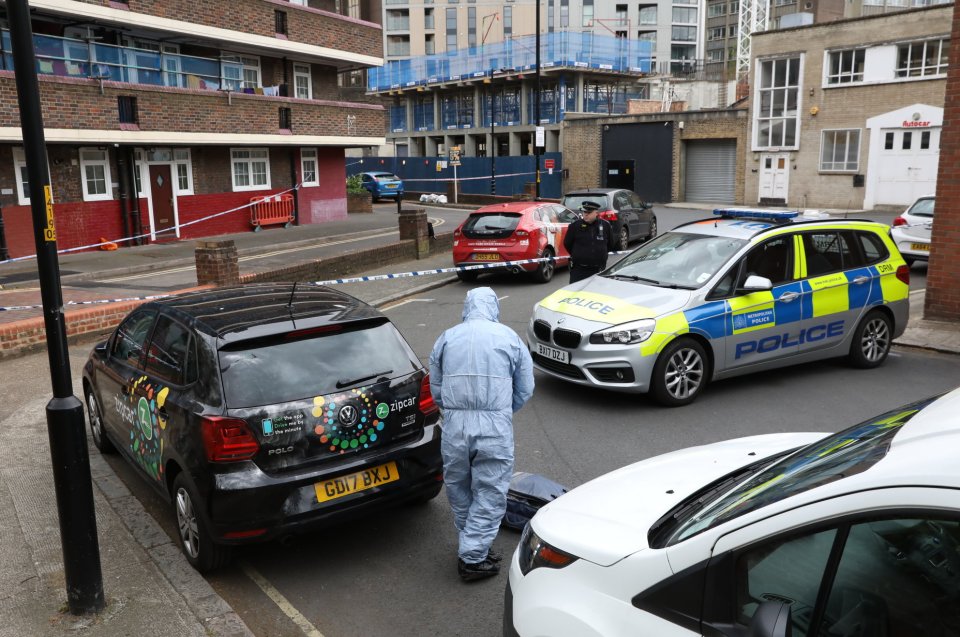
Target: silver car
[(911, 230), (744, 291)]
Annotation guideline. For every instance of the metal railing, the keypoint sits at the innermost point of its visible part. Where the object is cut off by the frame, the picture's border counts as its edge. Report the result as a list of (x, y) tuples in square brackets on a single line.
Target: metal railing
[(68, 57)]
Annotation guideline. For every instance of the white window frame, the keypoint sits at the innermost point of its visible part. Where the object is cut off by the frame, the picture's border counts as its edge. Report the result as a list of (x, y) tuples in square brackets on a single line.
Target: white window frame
[(182, 159), (848, 143), (253, 156), (19, 169), (779, 94), (302, 3), (244, 71), (308, 155), (848, 73), (103, 162), (937, 69), (302, 71)]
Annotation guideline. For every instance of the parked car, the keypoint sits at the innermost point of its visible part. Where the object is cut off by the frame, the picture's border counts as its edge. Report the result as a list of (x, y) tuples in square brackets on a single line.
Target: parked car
[(513, 232), (632, 218), (259, 411), (911, 230), (852, 534), (382, 184), (744, 291)]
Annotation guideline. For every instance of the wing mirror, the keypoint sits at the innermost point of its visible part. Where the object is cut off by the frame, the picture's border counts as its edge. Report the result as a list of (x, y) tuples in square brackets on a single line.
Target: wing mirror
[(756, 283), (772, 619)]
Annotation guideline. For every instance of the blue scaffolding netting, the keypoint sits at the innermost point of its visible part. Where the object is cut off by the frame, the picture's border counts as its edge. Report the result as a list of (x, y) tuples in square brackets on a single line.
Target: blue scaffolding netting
[(559, 49)]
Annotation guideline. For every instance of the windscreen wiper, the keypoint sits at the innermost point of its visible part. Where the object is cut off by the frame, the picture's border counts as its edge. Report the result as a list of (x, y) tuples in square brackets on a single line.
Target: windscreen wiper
[(346, 383), (633, 277)]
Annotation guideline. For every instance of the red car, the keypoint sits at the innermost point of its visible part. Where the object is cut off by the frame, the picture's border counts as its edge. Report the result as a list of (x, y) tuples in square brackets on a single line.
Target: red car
[(513, 232)]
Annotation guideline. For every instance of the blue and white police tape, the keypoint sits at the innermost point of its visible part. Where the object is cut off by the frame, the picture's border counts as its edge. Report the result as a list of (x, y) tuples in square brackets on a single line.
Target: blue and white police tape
[(175, 228), (493, 265)]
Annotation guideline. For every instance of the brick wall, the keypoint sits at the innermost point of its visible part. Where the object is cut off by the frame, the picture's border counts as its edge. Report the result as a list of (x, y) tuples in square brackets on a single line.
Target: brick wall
[(582, 139), (310, 26), (942, 299), (77, 103)]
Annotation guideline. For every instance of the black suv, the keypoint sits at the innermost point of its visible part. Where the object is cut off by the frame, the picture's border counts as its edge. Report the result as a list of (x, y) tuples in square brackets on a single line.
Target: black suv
[(261, 410), (631, 217)]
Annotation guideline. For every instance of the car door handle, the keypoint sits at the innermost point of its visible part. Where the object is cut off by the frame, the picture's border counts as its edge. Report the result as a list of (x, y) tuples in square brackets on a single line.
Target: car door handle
[(786, 297), (860, 280)]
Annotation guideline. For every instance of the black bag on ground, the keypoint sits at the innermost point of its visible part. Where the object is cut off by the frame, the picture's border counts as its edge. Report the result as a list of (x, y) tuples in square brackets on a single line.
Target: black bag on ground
[(528, 492)]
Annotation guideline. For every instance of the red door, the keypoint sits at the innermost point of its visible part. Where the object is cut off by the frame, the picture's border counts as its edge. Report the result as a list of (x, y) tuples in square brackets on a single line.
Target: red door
[(161, 193)]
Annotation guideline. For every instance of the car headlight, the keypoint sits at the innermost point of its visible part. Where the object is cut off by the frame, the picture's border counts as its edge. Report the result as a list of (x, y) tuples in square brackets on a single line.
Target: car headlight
[(625, 333), (535, 553)]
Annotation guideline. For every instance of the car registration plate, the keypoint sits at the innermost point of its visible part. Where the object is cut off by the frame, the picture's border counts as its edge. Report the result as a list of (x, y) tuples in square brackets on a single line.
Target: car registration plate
[(356, 482), (920, 246), (553, 354), (391, 185), (486, 257)]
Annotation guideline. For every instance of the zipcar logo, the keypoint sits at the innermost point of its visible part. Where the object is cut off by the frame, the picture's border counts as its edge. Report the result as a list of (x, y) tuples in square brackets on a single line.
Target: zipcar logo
[(778, 341)]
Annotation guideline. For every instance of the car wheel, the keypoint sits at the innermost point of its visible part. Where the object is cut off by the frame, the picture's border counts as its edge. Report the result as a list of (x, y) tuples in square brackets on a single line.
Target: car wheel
[(467, 276), (680, 373), (195, 541), (653, 229), (623, 240), (545, 270), (871, 340), (95, 416)]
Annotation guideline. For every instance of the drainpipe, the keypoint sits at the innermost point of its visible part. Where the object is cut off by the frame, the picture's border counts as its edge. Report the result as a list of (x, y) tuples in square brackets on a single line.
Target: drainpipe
[(124, 184), (293, 183), (135, 198)]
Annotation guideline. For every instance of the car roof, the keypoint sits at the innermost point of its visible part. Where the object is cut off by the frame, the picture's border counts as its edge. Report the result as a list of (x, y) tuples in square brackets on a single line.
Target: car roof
[(264, 309), (513, 206), (378, 172), (748, 228)]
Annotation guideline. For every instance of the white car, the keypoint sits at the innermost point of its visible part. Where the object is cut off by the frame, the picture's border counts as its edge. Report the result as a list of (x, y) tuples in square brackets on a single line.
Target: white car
[(853, 535), (911, 230)]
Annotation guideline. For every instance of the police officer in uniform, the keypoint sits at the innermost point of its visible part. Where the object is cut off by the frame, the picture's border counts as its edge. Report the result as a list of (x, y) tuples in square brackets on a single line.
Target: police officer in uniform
[(588, 240)]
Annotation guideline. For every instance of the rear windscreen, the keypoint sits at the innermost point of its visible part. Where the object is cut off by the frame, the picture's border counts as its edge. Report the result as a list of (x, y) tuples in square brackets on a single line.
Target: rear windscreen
[(491, 226), (387, 178), (282, 370), (923, 207), (573, 202)]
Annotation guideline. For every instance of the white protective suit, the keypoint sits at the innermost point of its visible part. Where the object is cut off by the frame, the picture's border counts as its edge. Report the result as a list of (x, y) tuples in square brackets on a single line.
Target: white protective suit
[(480, 373)]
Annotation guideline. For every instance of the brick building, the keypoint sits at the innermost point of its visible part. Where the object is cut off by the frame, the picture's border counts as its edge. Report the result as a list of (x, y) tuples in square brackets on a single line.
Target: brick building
[(694, 156), (848, 114), (158, 114)]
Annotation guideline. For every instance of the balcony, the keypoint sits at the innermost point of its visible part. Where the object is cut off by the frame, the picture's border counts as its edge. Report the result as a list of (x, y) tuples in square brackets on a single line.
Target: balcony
[(336, 39)]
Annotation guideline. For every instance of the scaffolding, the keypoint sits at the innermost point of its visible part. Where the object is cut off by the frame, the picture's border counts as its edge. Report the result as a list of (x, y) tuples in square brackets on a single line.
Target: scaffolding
[(753, 19)]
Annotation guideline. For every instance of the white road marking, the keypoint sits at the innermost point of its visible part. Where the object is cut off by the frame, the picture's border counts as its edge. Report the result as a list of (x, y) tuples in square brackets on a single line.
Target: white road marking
[(285, 606), (404, 302), (501, 298)]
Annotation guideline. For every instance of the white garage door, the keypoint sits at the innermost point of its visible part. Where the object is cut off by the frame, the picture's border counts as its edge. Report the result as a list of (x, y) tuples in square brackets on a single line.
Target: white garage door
[(711, 171), (908, 165)]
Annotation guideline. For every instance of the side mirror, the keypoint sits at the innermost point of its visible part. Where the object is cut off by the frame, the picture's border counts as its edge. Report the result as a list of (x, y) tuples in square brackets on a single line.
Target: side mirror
[(756, 283), (772, 619), (101, 348), (647, 206)]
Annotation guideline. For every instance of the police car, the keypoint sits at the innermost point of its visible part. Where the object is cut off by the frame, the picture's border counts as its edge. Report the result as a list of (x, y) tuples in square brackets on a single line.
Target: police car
[(744, 291), (856, 534)]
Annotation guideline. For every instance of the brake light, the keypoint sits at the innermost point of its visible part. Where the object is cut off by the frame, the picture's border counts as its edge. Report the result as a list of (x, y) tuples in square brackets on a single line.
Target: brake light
[(456, 233), (227, 439), (609, 215), (323, 329), (903, 274), (899, 221), (428, 405)]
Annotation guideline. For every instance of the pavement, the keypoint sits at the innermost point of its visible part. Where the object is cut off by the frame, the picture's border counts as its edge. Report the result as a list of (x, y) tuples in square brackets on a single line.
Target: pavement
[(149, 587)]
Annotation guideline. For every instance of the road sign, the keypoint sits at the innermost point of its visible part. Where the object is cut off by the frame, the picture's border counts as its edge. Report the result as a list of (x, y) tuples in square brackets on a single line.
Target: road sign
[(454, 155), (549, 164), (539, 136)]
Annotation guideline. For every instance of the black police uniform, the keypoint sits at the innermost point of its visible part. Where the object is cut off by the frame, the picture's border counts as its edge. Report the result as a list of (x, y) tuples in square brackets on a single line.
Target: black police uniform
[(588, 245)]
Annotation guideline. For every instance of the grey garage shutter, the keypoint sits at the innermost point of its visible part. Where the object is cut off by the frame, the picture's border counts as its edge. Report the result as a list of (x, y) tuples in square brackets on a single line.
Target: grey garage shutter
[(711, 171)]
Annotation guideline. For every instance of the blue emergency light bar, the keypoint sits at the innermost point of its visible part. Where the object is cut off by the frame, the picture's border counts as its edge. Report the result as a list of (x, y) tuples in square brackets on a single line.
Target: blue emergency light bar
[(767, 215)]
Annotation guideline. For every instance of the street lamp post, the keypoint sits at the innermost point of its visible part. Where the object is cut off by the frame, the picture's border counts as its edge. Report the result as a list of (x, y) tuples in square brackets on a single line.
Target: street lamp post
[(65, 423), (536, 112)]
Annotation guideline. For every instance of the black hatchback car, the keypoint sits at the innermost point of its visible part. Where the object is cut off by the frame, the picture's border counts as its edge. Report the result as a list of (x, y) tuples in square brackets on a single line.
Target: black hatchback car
[(631, 217), (262, 410)]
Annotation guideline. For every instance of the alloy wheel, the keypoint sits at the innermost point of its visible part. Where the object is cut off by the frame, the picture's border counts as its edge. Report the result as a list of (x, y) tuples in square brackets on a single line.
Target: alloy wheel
[(684, 373), (875, 340), (187, 523), (96, 422)]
